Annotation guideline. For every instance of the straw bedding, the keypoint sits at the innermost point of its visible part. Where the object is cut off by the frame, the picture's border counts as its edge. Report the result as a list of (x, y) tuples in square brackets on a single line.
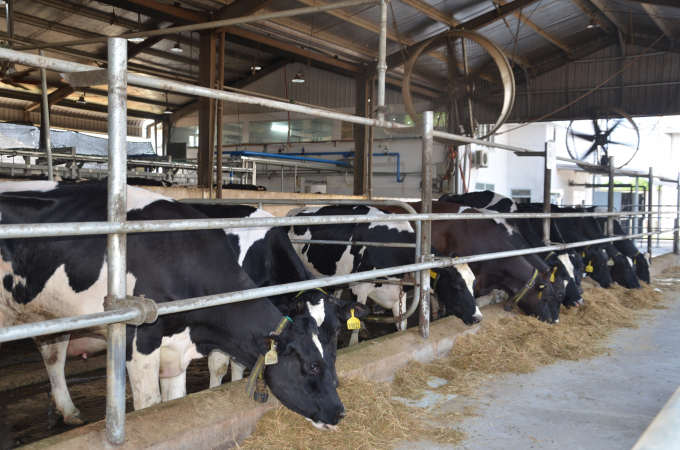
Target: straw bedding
[(519, 344)]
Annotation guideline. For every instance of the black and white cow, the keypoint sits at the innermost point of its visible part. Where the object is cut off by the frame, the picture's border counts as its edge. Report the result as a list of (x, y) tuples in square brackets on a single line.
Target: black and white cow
[(639, 260), (594, 257), (521, 235), (47, 278), (620, 268), (454, 285), (268, 257)]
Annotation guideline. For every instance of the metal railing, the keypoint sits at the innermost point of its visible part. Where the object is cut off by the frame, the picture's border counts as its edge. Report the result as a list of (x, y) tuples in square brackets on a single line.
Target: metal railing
[(664, 431), (122, 309)]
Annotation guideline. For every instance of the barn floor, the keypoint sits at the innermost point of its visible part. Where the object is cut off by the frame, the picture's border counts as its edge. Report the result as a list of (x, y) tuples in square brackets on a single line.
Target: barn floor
[(604, 403)]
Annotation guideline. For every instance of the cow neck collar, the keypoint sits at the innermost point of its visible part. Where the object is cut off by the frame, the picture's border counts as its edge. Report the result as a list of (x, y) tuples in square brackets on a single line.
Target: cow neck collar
[(526, 288), (550, 255), (305, 290), (258, 370)]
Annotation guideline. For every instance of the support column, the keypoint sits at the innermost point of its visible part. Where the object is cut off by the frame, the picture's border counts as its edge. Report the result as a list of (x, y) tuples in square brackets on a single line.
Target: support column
[(360, 134), (650, 196), (547, 180), (610, 198), (426, 208), (369, 152), (45, 141), (206, 110), (676, 234), (116, 251), (220, 115)]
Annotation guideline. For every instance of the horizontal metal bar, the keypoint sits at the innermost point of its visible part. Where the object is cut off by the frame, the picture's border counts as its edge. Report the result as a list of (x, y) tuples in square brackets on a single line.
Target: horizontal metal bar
[(97, 319), (43, 328), (356, 243), (207, 25), (150, 226)]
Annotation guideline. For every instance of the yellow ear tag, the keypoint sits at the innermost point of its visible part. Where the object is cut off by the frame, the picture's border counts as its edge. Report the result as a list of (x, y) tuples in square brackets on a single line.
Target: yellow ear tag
[(552, 277), (583, 254), (433, 274), (272, 356), (353, 323), (540, 293), (589, 267)]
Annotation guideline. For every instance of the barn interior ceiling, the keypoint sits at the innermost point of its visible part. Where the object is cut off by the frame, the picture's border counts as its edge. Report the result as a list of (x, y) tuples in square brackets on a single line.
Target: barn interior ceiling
[(559, 49)]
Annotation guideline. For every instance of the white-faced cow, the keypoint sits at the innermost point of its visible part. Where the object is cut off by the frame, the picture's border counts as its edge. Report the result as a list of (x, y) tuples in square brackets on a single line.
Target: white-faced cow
[(454, 285), (267, 256), (531, 290), (522, 236), (47, 278)]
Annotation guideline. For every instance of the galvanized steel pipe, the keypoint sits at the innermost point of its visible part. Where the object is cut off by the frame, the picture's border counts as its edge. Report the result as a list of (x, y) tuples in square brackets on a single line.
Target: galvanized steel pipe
[(45, 121), (116, 250)]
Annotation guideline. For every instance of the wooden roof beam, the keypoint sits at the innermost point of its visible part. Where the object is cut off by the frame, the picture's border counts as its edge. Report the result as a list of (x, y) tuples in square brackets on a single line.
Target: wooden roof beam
[(673, 3)]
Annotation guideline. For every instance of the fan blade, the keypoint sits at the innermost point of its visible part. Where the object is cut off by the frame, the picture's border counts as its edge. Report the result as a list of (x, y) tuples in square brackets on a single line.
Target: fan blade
[(590, 150), (587, 137), (596, 127), (609, 131), (625, 144)]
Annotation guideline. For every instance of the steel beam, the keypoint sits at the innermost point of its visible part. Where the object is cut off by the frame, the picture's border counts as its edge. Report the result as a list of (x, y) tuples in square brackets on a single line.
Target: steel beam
[(159, 10), (658, 17), (602, 7), (206, 111), (540, 31)]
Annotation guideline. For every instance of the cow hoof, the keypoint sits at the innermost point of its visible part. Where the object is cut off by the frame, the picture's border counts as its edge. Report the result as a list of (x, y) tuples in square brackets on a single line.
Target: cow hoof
[(75, 419)]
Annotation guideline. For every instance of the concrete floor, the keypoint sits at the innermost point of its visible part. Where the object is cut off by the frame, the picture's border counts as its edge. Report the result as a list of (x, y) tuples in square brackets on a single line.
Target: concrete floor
[(604, 403)]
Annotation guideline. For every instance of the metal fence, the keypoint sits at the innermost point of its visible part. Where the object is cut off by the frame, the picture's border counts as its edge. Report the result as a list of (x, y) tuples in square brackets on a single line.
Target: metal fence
[(121, 309)]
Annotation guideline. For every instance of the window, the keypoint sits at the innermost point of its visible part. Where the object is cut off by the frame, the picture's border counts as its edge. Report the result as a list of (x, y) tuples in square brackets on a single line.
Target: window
[(303, 130), (231, 134), (521, 195), (485, 187)]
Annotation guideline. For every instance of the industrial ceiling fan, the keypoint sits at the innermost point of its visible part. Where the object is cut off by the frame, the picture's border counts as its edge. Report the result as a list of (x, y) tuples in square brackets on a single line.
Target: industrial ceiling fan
[(464, 79), (601, 132)]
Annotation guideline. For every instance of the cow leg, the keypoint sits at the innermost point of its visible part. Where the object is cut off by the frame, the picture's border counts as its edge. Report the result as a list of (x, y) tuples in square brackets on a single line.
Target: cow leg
[(218, 363), (53, 351), (173, 388), (143, 373), (236, 371)]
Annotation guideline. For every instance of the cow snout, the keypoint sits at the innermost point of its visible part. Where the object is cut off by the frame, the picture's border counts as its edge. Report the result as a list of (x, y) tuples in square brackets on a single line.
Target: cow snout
[(341, 415)]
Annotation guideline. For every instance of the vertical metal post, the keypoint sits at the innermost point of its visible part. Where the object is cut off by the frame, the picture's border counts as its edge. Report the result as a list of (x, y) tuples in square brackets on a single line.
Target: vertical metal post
[(382, 63), (220, 112), (676, 224), (547, 181), (650, 195), (456, 171), (369, 166), (9, 13), (610, 198), (281, 178), (426, 208), (45, 121), (116, 251), (635, 221), (658, 216)]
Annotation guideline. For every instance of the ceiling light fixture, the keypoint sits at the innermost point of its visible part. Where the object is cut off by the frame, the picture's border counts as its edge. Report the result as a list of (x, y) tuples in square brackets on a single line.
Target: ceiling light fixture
[(167, 107), (256, 68), (82, 100), (593, 24), (137, 40), (299, 77), (177, 48)]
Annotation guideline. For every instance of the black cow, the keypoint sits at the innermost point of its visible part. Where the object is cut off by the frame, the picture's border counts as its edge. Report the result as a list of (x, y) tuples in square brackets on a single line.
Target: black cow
[(522, 236), (66, 276), (267, 256), (640, 261), (454, 285), (621, 269)]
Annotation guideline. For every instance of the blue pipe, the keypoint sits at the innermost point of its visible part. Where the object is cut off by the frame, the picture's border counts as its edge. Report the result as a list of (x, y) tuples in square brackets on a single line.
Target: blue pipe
[(289, 157), (347, 154)]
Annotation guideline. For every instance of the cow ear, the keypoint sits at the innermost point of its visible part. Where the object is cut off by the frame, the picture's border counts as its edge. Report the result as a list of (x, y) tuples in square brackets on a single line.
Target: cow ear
[(266, 344), (343, 309)]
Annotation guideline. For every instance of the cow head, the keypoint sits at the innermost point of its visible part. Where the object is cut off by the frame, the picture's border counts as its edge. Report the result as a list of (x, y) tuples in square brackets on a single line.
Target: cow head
[(579, 267), (303, 379), (623, 273), (562, 267), (641, 263), (454, 286), (329, 312), (595, 259), (540, 300)]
